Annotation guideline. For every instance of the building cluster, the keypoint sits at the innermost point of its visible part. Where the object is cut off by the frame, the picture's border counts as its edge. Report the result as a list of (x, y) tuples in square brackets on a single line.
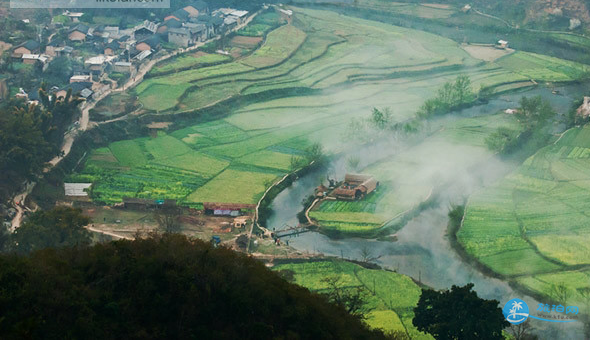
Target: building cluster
[(103, 49)]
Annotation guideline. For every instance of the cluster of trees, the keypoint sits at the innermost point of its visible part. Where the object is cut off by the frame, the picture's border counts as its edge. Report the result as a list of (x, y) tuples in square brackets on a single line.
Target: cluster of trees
[(451, 96), (313, 153), (459, 313), (534, 116), (165, 286), (30, 135), (58, 227)]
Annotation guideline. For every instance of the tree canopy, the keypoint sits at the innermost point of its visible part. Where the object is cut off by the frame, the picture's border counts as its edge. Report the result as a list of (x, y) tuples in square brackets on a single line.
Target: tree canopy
[(162, 287), (59, 227), (460, 314)]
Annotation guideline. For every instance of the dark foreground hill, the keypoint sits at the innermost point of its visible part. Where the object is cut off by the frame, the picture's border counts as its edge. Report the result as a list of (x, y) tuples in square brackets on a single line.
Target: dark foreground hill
[(164, 287)]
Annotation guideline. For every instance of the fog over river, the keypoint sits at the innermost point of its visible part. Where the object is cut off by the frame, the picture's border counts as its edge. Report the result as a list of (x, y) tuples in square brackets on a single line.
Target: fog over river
[(422, 251)]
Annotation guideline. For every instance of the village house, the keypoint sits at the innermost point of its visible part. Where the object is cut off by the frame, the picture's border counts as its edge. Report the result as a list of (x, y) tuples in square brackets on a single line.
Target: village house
[(31, 59), (230, 22), (188, 35), (28, 47), (111, 48), (97, 65), (240, 16), (50, 48), (78, 33), (227, 209), (146, 204), (78, 89), (149, 44), (74, 16), (355, 187), (81, 78), (144, 30), (168, 24), (213, 24), (123, 67), (502, 44), (180, 15)]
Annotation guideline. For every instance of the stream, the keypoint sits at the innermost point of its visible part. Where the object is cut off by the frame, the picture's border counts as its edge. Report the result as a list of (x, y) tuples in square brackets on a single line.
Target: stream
[(422, 250)]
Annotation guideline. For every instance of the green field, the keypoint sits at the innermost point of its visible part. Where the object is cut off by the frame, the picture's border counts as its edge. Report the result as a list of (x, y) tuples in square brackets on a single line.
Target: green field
[(543, 68), (391, 297), (187, 61), (536, 220), (348, 66)]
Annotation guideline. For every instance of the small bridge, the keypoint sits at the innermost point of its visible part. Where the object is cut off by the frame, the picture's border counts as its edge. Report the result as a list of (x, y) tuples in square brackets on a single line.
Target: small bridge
[(290, 231)]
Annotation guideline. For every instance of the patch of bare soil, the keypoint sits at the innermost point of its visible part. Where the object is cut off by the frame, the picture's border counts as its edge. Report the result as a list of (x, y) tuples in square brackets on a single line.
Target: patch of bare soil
[(485, 52), (246, 42)]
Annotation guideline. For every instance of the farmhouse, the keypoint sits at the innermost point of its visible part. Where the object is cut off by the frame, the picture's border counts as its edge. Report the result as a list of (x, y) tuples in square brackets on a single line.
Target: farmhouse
[(168, 24), (123, 67), (502, 44), (28, 47), (78, 33), (33, 58), (145, 204), (74, 16), (227, 209), (145, 30), (355, 187), (151, 43)]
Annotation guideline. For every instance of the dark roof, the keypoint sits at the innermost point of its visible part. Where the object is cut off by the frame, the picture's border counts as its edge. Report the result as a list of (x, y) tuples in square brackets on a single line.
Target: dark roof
[(123, 38), (153, 41), (207, 19), (172, 23), (227, 206), (200, 5), (99, 28), (181, 14), (113, 45), (56, 43), (77, 87), (80, 28), (30, 45)]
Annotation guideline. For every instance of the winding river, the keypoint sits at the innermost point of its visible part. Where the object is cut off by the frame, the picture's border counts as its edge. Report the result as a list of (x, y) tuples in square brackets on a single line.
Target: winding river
[(422, 251)]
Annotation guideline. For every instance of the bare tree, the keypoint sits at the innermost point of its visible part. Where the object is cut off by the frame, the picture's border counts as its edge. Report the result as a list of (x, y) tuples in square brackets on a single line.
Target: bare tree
[(168, 218), (351, 298), (367, 255), (522, 331)]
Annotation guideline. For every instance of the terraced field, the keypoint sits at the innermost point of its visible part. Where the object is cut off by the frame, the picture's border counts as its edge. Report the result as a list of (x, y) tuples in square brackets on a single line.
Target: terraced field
[(535, 223), (411, 176), (391, 299), (346, 66)]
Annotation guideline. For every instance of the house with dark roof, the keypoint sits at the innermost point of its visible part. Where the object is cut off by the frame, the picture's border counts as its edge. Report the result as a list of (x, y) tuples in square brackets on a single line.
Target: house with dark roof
[(179, 14), (168, 24), (187, 35), (213, 24), (77, 89), (28, 47), (151, 43), (78, 33), (111, 48), (145, 30)]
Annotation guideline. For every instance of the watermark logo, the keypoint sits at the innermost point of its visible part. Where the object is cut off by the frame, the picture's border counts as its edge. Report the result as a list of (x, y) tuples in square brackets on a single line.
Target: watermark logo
[(516, 311)]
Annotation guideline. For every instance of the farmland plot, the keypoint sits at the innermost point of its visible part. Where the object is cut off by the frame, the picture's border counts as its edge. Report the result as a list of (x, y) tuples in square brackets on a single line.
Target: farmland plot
[(536, 221), (393, 295)]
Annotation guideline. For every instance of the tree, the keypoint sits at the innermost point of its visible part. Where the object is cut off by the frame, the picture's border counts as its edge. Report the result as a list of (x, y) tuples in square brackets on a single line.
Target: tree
[(559, 292), (534, 112), (458, 314), (168, 218), (351, 299), (58, 227), (502, 140), (353, 163), (522, 331)]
